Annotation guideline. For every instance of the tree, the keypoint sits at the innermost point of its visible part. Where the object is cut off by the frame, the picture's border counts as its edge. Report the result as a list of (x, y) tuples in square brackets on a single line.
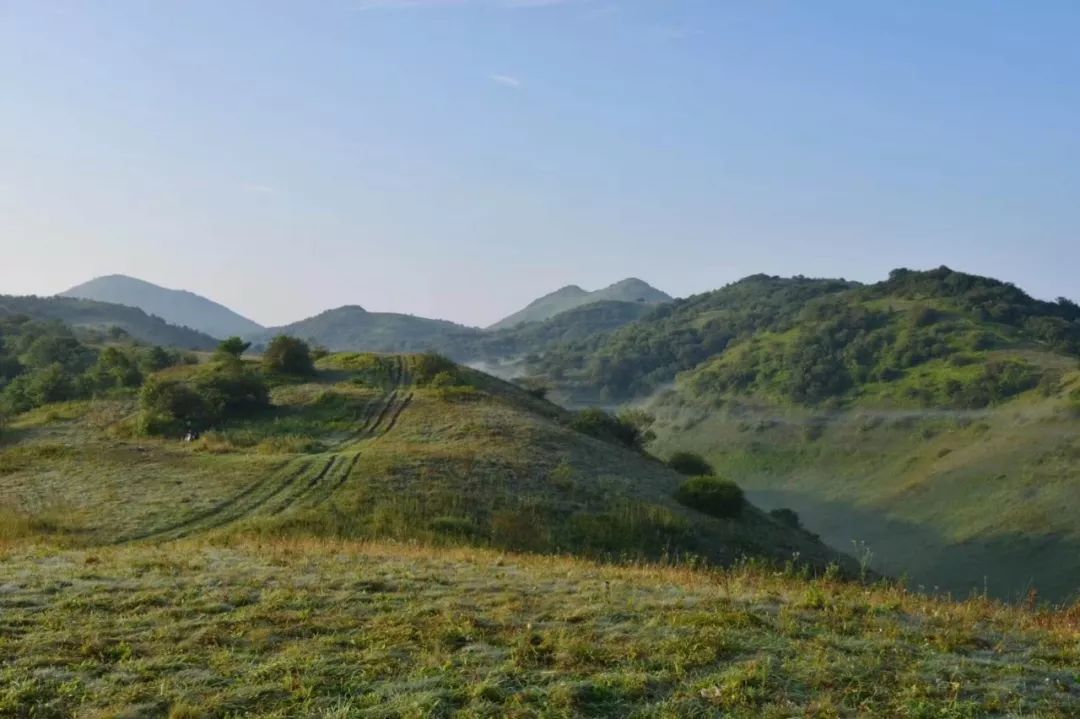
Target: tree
[(231, 349), (114, 368), (288, 355)]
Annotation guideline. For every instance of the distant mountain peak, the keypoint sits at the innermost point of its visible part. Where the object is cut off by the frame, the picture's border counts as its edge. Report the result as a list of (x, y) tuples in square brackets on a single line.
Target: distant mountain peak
[(178, 307), (569, 297)]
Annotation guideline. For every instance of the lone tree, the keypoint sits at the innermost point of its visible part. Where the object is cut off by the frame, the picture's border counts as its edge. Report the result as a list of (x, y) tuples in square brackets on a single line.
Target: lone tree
[(288, 355), (231, 349)]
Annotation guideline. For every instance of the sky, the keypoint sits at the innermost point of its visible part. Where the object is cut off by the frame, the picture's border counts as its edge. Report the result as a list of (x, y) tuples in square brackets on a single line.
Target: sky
[(458, 158)]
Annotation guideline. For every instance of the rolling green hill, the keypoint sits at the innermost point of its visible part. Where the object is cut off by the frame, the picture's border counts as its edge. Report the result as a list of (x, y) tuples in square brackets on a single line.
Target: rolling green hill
[(931, 418), (372, 447), (91, 314), (352, 328), (630, 290), (392, 536), (178, 307)]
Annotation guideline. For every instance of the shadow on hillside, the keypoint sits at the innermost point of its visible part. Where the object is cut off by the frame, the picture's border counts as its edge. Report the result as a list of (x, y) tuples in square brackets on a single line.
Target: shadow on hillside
[(1006, 566)]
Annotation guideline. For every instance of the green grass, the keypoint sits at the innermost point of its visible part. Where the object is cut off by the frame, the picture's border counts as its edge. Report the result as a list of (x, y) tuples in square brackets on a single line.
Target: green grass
[(956, 500), (315, 628)]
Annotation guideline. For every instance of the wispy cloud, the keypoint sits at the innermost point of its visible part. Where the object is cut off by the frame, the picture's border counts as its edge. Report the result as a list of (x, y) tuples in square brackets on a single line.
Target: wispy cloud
[(506, 81)]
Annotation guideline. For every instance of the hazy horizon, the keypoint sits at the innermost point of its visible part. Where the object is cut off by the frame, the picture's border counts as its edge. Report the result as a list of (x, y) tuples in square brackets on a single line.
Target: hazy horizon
[(457, 159)]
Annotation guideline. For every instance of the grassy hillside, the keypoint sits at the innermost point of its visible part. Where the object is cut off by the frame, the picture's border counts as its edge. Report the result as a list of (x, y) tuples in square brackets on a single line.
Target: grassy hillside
[(353, 328), (957, 499), (178, 307), (372, 447), (932, 417), (103, 316), (315, 628), (630, 290)]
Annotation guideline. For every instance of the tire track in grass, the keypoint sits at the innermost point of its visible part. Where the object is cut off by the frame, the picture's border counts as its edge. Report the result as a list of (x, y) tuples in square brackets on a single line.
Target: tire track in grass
[(382, 413), (195, 523), (306, 490), (254, 499), (397, 413), (327, 489)]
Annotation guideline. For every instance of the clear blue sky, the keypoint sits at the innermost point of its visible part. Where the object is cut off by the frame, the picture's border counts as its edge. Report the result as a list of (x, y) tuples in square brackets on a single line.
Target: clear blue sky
[(458, 158)]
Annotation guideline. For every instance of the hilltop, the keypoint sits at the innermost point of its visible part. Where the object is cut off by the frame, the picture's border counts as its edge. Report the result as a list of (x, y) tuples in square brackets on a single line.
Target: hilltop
[(352, 328), (178, 307), (102, 316), (630, 290)]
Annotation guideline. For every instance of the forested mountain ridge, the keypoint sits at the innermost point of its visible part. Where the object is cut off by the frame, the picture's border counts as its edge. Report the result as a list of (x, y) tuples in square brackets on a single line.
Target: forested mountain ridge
[(808, 340), (178, 307), (103, 316)]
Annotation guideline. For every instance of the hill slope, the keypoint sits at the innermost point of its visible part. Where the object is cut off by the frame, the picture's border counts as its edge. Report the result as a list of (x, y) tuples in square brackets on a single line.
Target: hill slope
[(352, 328), (932, 417), (178, 307), (369, 449), (574, 325), (630, 290), (103, 315)]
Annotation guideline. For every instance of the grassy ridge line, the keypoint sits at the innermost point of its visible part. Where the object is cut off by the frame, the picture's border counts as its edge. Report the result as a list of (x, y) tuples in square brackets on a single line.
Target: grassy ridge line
[(272, 628)]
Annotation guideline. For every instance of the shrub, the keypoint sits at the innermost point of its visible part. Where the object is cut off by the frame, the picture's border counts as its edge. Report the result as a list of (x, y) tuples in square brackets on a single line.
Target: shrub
[(601, 425), (170, 404), (690, 464), (787, 517), (288, 355), (711, 495)]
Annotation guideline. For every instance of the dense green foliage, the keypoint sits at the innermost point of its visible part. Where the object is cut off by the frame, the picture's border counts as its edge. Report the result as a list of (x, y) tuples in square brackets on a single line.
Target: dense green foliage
[(712, 495), (45, 361), (936, 338), (201, 398), (690, 464), (91, 315), (639, 357), (289, 356)]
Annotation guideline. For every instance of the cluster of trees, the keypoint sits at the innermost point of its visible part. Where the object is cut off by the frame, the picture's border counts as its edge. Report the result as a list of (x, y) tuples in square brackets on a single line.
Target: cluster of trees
[(840, 347), (223, 389), (1056, 324), (640, 357), (45, 361)]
